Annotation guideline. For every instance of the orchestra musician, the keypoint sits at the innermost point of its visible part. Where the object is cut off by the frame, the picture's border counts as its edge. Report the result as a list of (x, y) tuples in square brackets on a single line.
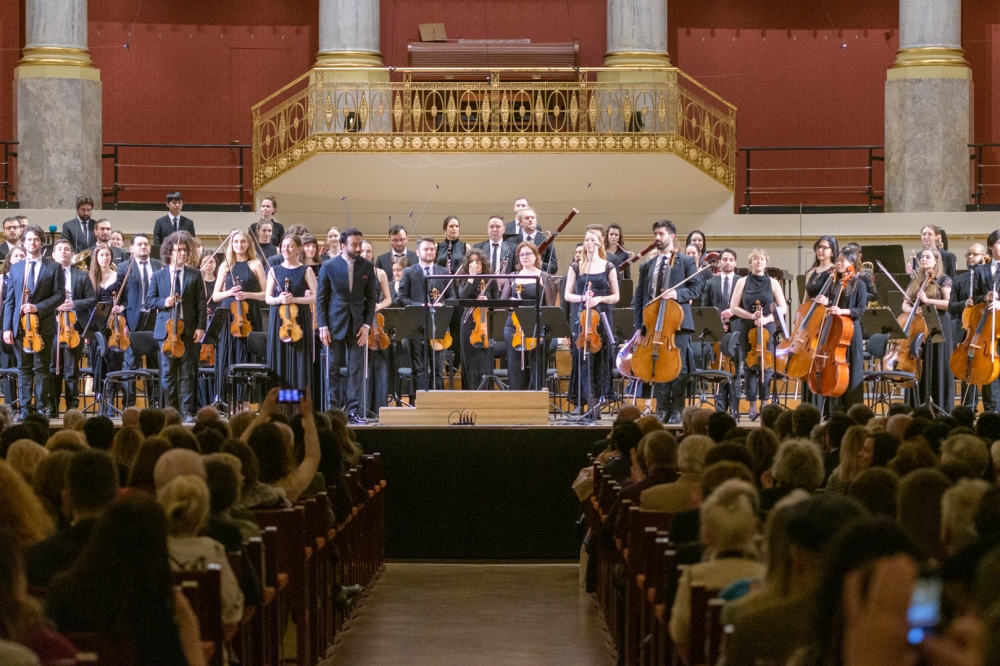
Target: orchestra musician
[(717, 294), (513, 227), (522, 363), (240, 279), (80, 299), (173, 221), (268, 207), (412, 292), (7, 358), (265, 232), (656, 278), (35, 287), (310, 252), (80, 230), (852, 302), (117, 238), (930, 237), (399, 264), (398, 241), (106, 281), (614, 246), (12, 235), (961, 297), (208, 266), (178, 283), (498, 253), (293, 230), (528, 221), (477, 359), (292, 283), (451, 250), (757, 299), (940, 385), (947, 257), (865, 276), (593, 282), (102, 232), (987, 279), (696, 238), (345, 304), (378, 359), (332, 244), (399, 349), (133, 300)]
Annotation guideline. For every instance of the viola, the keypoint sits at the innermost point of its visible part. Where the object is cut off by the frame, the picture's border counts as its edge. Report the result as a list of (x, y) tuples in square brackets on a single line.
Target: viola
[(119, 340), (207, 354), (444, 342), (377, 337), (173, 344), (759, 342), (68, 335), (519, 342), (904, 357), (831, 372), (975, 359), (480, 336), (794, 355), (589, 340), (32, 343), (290, 330), (239, 325)]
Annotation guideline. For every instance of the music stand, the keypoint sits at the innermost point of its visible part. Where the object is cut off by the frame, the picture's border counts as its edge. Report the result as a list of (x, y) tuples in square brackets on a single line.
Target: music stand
[(552, 322), (625, 292), (98, 320), (623, 324), (935, 334), (880, 321), (212, 331), (708, 329), (438, 318), (891, 257), (393, 318)]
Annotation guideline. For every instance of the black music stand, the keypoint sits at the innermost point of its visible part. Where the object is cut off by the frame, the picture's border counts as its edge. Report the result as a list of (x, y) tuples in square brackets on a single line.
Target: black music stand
[(891, 257), (393, 320), (212, 332), (935, 333), (875, 321), (552, 322), (625, 292), (98, 320), (439, 319), (622, 324), (708, 329)]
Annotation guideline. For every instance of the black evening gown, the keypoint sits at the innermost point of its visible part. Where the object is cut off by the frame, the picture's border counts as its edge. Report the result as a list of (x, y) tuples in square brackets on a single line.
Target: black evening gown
[(813, 287), (593, 383), (477, 362), (522, 365), (757, 288), (936, 378), (232, 350), (856, 302), (111, 361), (292, 361)]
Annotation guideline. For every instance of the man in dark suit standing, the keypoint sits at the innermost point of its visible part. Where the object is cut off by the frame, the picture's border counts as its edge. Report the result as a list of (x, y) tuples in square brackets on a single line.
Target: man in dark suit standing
[(80, 230), (528, 220), (514, 226), (987, 286), (43, 282), (717, 293), (398, 240), (656, 279), (102, 234), (178, 283), (12, 235), (80, 299), (133, 300), (961, 297), (173, 221), (413, 292), (345, 305), (500, 254)]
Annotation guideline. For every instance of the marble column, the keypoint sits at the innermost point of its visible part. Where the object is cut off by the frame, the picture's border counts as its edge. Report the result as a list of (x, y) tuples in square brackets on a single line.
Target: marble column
[(349, 34), (58, 108), (637, 34), (927, 127)]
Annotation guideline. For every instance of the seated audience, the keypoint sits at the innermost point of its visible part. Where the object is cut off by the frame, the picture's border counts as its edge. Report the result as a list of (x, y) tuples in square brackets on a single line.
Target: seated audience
[(911, 456), (140, 477), (918, 511), (876, 488), (854, 459), (67, 440), (797, 464), (720, 423), (678, 495), (970, 450), (72, 418), (21, 511), (48, 484), (762, 445), (958, 509), (274, 454), (100, 432), (24, 456), (151, 421), (125, 448), (685, 527), (805, 417)]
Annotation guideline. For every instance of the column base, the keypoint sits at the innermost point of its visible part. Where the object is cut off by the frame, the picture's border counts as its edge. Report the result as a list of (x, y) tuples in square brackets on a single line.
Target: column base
[(348, 59), (926, 139), (636, 59), (59, 138)]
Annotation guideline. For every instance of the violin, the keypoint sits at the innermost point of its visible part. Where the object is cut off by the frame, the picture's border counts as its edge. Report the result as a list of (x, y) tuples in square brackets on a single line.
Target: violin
[(793, 357), (759, 352), (480, 336), (445, 342), (589, 340), (377, 337), (173, 344), (119, 340), (32, 343), (207, 354), (519, 342), (975, 359), (239, 326), (68, 335), (290, 330), (831, 372)]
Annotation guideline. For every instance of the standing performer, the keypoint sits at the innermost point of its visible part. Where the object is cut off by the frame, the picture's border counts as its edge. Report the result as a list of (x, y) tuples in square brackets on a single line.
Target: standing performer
[(657, 276), (614, 245), (133, 299), (930, 286), (80, 230), (332, 244), (290, 352), (961, 298), (7, 357), (523, 346), (173, 221), (80, 300), (177, 294), (758, 300), (346, 297), (240, 281), (528, 221), (477, 355), (106, 282), (696, 238), (398, 241), (930, 237), (853, 302), (718, 294), (378, 359), (498, 253), (268, 207), (412, 292), (34, 291), (12, 235), (986, 290), (593, 282)]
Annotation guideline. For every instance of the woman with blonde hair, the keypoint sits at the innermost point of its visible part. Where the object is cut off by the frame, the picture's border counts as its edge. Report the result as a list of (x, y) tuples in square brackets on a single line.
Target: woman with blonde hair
[(851, 462), (932, 286), (522, 363), (20, 509), (24, 456)]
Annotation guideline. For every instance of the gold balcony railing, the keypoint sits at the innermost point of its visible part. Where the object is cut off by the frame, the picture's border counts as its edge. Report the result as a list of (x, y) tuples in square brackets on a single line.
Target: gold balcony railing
[(670, 113)]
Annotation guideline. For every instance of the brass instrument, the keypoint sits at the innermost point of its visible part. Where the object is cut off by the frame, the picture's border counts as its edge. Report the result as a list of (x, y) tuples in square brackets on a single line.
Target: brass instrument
[(81, 259)]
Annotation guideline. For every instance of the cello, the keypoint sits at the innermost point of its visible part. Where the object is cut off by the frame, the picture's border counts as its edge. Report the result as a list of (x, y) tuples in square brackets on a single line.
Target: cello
[(830, 373), (975, 359), (903, 356), (793, 357)]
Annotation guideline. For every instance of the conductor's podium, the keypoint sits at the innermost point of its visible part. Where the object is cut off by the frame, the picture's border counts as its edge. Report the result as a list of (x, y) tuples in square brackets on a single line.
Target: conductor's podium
[(436, 408)]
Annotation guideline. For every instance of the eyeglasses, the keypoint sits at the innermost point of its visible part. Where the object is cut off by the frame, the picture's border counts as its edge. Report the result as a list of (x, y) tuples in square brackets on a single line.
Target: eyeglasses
[(823, 247), (974, 254)]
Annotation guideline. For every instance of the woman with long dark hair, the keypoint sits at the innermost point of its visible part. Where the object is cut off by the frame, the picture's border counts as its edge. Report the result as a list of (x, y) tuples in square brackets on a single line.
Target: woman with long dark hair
[(477, 359), (451, 250)]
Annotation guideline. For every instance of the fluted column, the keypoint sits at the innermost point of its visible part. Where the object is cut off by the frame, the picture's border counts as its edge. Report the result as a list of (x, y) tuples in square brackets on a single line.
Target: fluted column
[(637, 34), (349, 34), (58, 108), (927, 129)]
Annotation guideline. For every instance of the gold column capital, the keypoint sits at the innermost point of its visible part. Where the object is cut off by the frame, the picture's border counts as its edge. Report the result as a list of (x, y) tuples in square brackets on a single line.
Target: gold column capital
[(348, 59), (930, 56), (636, 59)]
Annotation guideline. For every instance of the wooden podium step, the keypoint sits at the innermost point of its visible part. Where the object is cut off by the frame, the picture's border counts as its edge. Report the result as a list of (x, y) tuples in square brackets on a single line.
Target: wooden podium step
[(482, 407)]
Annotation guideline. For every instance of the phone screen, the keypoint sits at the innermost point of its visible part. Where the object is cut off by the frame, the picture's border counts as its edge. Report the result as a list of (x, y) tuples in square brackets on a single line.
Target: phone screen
[(924, 613), (290, 396)]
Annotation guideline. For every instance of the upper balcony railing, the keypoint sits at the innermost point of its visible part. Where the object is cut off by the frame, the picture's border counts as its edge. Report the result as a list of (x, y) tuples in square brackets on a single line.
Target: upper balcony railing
[(656, 110)]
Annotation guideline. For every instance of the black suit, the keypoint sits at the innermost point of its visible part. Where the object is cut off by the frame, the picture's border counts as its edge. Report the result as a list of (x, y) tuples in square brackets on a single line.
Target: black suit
[(549, 262), (133, 299), (714, 296), (343, 306), (670, 396), (48, 294), (84, 297), (118, 255), (504, 252), (4, 249), (163, 228), (384, 261), (178, 375), (986, 282), (79, 236), (961, 291), (412, 292)]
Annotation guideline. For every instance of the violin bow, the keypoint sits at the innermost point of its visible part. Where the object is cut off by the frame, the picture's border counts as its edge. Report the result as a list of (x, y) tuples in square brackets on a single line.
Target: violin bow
[(668, 289)]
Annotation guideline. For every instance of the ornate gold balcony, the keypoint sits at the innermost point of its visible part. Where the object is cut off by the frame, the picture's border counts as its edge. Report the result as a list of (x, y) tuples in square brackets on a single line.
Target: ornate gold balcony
[(659, 111)]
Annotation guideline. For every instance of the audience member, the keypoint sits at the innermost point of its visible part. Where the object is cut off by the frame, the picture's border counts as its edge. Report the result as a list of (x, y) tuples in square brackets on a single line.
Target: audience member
[(964, 415), (970, 450), (876, 488), (207, 413), (911, 456), (762, 445), (100, 432), (784, 425), (955, 470), (24, 456), (67, 440), (678, 496), (658, 451), (854, 459), (699, 422), (48, 484), (884, 446), (20, 510), (918, 510), (130, 417), (240, 422), (172, 417), (685, 526), (861, 413), (11, 434), (72, 418), (223, 481), (125, 448), (897, 425), (988, 426), (719, 423), (151, 421), (174, 463), (649, 423), (833, 438), (730, 451), (958, 508), (275, 460), (141, 475), (804, 418), (209, 440), (625, 436), (797, 464), (770, 413)]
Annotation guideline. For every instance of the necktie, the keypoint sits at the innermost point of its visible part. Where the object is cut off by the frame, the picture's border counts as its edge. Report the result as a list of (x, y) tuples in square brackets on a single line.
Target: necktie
[(85, 229), (31, 276), (495, 261), (144, 280), (177, 283), (725, 291), (427, 271), (175, 224)]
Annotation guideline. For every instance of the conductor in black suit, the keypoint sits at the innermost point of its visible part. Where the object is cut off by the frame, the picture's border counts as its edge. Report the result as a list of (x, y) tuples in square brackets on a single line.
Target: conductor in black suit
[(987, 286), (80, 230), (500, 254), (46, 292), (346, 294), (398, 240), (656, 277), (80, 299), (133, 300), (528, 220), (413, 292), (173, 221), (181, 283)]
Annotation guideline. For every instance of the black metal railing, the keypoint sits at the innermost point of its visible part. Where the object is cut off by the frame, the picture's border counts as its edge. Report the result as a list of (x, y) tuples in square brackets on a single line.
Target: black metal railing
[(984, 156), (9, 189)]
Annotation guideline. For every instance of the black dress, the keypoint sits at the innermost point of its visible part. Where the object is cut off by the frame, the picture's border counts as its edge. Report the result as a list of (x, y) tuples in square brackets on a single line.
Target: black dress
[(756, 288), (814, 285), (522, 364), (937, 379), (232, 350), (590, 379), (617, 258), (477, 362), (8, 360), (292, 361), (111, 361)]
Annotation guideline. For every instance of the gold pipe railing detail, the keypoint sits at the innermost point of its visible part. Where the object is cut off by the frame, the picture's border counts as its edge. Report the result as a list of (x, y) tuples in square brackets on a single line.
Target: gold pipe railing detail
[(669, 112)]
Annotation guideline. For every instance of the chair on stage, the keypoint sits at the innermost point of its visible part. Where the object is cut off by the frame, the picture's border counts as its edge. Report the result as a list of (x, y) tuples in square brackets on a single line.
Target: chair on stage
[(254, 378), (881, 384), (144, 345)]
